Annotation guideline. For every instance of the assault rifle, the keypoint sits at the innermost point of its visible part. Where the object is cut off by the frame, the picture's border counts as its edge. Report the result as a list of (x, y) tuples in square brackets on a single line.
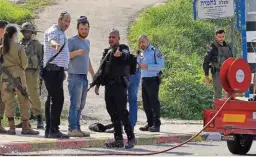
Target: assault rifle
[(15, 81), (98, 77), (11, 79)]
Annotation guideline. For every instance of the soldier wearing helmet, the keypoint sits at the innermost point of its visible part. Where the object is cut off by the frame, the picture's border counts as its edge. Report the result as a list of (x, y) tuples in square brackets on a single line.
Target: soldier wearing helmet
[(34, 54)]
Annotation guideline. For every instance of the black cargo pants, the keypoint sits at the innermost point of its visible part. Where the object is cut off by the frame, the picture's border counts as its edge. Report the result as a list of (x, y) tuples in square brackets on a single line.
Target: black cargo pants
[(116, 104)]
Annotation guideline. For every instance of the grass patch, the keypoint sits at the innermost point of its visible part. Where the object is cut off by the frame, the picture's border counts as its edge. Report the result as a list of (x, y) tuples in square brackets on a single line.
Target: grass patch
[(184, 42), (19, 13), (13, 13), (33, 5)]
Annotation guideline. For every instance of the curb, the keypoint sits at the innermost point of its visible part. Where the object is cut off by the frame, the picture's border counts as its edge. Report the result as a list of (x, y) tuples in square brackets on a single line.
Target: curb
[(92, 142)]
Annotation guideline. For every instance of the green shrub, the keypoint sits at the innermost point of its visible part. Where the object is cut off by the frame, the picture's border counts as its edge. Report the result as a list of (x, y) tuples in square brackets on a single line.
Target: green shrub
[(13, 13), (184, 42), (184, 95)]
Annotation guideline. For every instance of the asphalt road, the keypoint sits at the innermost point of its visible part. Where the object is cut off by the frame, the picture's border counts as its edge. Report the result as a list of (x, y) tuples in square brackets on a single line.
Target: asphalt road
[(192, 149)]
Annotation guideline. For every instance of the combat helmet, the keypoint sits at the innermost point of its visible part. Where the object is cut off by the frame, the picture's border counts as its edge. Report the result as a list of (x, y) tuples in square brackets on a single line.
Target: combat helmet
[(28, 27)]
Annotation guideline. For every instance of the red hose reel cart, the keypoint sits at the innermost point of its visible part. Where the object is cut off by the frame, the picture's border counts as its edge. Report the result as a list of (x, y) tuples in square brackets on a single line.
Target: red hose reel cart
[(236, 122)]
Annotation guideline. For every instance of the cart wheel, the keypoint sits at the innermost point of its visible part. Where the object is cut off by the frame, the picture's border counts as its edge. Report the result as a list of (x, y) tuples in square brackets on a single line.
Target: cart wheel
[(241, 145)]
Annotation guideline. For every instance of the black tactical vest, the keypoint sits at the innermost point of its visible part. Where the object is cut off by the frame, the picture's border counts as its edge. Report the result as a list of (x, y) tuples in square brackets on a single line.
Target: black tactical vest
[(224, 52), (116, 66)]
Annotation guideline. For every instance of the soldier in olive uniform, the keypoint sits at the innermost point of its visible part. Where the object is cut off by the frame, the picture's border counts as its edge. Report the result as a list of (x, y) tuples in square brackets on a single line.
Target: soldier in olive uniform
[(218, 52), (33, 49), (15, 62), (3, 24)]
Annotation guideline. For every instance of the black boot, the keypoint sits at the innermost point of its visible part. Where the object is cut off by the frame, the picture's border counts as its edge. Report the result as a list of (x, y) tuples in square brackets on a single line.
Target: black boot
[(156, 126), (40, 124), (115, 144), (57, 134), (130, 143), (144, 128)]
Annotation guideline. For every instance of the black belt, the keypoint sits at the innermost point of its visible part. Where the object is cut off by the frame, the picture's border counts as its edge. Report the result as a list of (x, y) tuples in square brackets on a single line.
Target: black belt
[(110, 81), (149, 78), (53, 67), (84, 75)]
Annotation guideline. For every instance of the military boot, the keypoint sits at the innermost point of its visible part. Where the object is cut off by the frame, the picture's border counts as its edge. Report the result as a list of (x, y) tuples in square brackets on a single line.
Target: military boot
[(11, 131), (144, 128), (115, 144), (131, 143), (156, 126), (20, 125), (2, 129), (26, 130), (40, 123)]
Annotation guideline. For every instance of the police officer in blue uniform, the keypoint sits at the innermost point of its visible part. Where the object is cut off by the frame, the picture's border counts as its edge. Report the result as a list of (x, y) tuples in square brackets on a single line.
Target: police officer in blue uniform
[(151, 63)]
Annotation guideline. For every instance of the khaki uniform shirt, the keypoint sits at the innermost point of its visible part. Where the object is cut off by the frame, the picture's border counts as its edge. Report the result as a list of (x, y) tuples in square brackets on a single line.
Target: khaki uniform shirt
[(16, 60)]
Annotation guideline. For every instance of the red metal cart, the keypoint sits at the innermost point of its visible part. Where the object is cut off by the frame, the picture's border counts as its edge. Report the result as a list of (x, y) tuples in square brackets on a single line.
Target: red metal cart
[(237, 119)]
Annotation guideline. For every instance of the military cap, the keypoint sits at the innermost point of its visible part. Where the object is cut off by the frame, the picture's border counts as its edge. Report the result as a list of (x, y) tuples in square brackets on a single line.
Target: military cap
[(3, 23), (27, 26)]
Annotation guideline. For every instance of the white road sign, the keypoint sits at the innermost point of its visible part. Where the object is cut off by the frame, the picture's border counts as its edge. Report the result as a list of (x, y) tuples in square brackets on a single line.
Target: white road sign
[(214, 9)]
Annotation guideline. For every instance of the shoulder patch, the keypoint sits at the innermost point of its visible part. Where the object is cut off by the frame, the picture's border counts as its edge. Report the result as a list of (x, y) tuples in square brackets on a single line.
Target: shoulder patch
[(157, 52)]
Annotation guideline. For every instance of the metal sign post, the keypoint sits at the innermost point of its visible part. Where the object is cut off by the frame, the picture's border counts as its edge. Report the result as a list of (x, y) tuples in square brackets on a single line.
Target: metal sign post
[(243, 32)]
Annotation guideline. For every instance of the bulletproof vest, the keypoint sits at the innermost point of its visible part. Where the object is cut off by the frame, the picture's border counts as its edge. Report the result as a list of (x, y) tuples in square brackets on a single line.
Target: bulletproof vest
[(115, 66), (224, 52), (31, 52)]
